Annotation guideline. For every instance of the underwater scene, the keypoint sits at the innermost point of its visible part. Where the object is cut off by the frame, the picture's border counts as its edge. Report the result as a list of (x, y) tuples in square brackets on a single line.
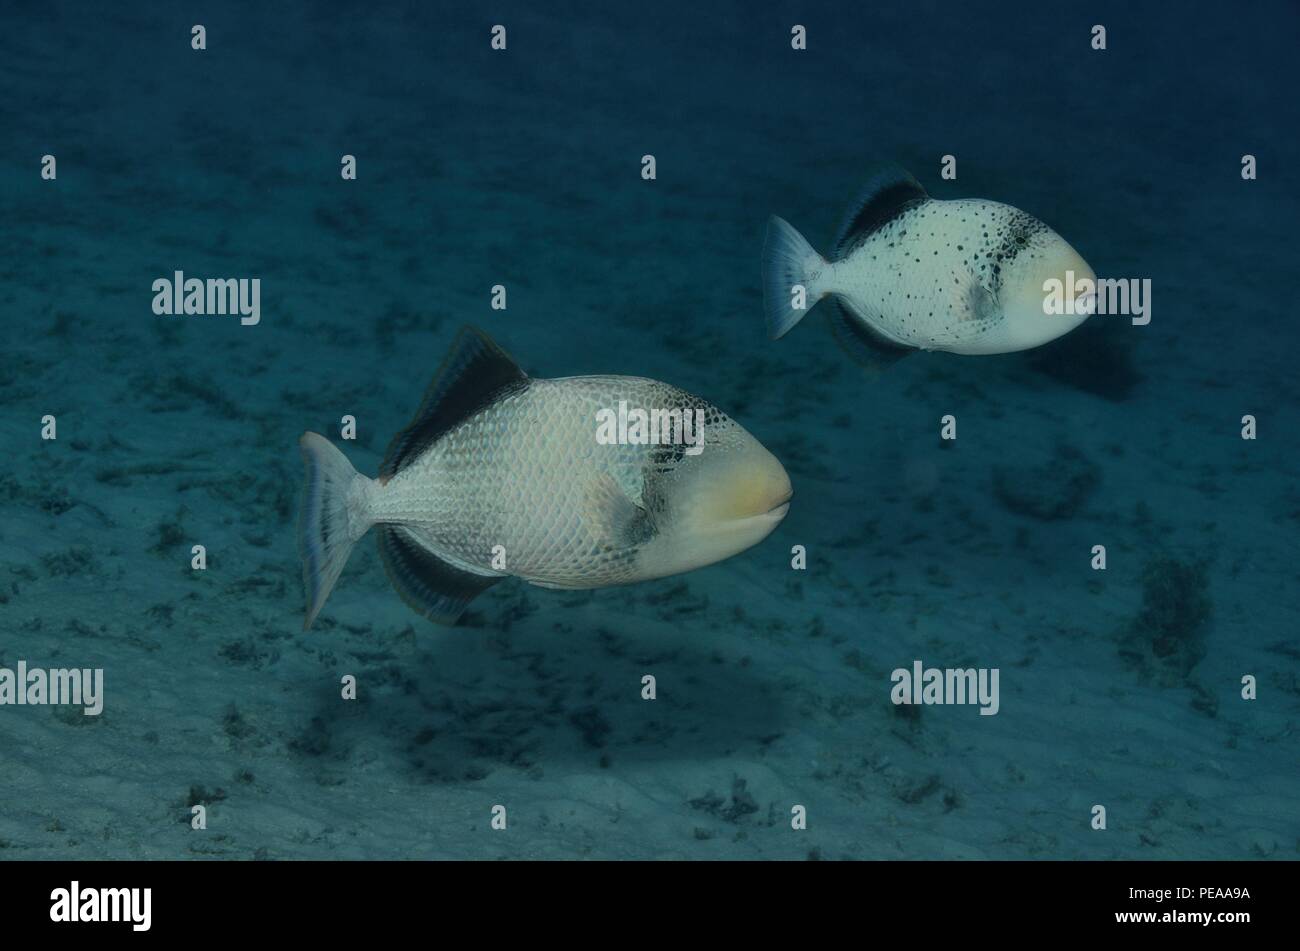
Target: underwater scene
[(741, 430)]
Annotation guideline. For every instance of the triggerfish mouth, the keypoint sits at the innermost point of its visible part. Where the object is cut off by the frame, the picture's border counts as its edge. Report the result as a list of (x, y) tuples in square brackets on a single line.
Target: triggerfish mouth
[(503, 475), (908, 272)]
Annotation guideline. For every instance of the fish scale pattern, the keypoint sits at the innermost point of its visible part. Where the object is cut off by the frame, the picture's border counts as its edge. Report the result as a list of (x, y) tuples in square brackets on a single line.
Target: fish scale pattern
[(528, 474)]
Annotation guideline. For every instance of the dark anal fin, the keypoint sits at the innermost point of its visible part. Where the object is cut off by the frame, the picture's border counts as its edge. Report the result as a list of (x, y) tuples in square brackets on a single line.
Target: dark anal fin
[(432, 587), (887, 194), (476, 373), (859, 341)]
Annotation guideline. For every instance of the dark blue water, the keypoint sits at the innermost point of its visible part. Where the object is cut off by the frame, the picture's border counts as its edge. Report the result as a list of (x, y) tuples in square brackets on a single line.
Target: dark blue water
[(1120, 688)]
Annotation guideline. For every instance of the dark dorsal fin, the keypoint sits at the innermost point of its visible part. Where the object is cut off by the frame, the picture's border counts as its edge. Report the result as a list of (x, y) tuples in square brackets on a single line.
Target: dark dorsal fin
[(890, 191), (433, 587), (475, 374)]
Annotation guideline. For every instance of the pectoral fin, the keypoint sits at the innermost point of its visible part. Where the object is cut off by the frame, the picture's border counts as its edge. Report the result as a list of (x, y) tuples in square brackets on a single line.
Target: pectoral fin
[(615, 518)]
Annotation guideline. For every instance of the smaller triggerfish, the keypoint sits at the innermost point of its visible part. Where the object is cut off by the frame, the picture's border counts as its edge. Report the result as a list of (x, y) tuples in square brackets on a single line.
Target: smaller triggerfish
[(500, 474), (908, 272)]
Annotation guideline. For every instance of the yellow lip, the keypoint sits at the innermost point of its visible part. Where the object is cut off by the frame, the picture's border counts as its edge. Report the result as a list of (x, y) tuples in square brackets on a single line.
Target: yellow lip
[(784, 501), (760, 492)]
